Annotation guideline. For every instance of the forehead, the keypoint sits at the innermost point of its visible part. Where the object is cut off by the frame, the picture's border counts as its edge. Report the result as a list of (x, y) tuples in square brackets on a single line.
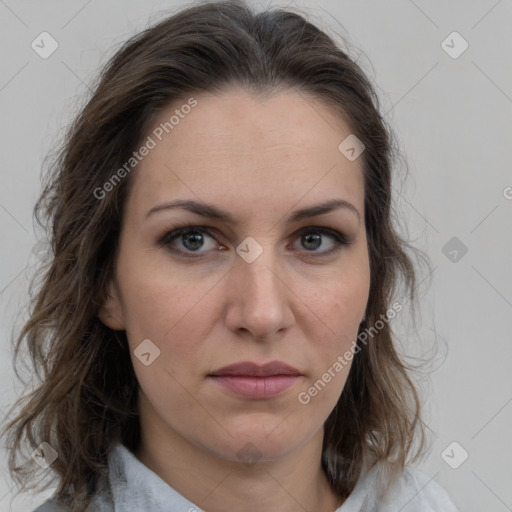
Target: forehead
[(247, 150)]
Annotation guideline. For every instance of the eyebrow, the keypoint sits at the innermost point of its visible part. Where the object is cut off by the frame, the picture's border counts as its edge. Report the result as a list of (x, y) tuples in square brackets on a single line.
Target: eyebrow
[(214, 212)]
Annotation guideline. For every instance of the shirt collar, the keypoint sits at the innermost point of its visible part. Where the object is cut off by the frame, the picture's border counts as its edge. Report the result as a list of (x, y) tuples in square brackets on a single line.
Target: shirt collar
[(135, 487)]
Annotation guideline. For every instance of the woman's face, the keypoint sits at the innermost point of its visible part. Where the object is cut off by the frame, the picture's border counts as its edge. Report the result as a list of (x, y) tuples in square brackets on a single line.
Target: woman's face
[(264, 285)]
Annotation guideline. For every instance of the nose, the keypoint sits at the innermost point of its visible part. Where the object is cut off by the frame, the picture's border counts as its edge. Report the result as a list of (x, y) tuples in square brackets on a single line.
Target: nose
[(259, 298)]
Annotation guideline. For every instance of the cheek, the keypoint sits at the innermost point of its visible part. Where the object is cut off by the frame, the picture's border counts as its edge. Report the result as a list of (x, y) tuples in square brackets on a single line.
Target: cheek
[(176, 314), (340, 293), (157, 303), (333, 341), (172, 315), (338, 305)]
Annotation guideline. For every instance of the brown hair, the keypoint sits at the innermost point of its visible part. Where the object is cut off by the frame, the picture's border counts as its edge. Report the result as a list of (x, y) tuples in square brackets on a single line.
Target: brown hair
[(86, 397)]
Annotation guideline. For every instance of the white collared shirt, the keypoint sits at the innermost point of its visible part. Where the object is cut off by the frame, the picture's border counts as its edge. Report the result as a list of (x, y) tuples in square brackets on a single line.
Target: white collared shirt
[(133, 487)]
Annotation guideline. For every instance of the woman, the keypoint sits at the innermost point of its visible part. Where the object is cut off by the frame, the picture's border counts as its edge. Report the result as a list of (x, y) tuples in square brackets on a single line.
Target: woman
[(213, 327)]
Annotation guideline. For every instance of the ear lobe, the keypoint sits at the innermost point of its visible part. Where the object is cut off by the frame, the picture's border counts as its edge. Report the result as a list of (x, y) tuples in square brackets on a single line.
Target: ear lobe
[(110, 312)]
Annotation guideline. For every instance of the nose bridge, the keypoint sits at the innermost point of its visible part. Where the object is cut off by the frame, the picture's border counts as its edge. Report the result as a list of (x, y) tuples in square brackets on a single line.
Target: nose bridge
[(260, 298), (259, 275)]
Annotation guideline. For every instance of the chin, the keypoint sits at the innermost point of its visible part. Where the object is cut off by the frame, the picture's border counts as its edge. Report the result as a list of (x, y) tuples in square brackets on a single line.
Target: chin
[(251, 445)]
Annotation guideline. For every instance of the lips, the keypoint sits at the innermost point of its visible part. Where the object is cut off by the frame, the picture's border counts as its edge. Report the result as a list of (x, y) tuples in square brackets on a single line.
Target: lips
[(250, 369), (249, 380)]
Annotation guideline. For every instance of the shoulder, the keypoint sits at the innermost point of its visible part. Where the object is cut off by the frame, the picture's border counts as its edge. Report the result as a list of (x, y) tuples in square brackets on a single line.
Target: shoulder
[(100, 503), (410, 491), (51, 505), (413, 491)]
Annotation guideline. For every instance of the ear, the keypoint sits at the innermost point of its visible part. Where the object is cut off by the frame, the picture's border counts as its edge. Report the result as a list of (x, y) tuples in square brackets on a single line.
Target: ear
[(111, 313)]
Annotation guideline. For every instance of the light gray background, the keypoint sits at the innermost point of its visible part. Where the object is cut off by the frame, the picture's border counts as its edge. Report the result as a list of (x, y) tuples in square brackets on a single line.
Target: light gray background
[(453, 120)]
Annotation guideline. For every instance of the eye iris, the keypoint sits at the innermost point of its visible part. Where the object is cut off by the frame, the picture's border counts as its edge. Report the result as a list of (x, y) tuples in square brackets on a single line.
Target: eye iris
[(316, 241), (195, 238)]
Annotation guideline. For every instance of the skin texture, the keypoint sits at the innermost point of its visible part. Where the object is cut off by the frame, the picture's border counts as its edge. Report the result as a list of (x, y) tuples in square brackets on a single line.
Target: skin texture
[(259, 158)]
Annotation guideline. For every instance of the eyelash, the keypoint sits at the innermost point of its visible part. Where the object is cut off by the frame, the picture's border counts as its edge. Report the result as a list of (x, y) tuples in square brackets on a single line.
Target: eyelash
[(339, 239)]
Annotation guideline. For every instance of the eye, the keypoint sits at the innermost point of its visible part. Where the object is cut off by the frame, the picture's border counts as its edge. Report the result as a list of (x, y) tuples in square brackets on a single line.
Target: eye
[(313, 238), (192, 240)]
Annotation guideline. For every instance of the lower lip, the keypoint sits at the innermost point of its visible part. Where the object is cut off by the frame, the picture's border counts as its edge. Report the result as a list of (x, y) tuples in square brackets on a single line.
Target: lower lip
[(256, 387)]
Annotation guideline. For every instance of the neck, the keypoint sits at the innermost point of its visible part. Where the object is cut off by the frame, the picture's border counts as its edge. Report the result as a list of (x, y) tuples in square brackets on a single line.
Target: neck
[(293, 484)]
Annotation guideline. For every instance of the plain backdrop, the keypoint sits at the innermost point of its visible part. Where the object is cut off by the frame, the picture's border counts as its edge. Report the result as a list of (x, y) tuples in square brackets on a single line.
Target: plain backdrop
[(451, 110)]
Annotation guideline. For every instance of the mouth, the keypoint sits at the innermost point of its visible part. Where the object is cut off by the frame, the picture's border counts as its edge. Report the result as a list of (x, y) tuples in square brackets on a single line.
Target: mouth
[(252, 381), (250, 369)]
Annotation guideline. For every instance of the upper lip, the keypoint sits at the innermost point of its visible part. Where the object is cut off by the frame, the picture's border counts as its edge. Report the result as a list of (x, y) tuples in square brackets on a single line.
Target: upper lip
[(248, 368)]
